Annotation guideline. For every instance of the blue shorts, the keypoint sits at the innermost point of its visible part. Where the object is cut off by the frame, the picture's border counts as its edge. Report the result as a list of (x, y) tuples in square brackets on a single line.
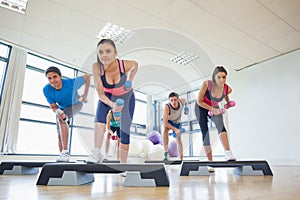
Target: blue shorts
[(115, 129), (126, 116), (176, 125)]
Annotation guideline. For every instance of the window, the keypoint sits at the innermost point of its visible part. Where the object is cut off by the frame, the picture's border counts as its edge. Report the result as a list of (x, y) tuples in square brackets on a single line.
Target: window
[(37, 130), (4, 56), (140, 112)]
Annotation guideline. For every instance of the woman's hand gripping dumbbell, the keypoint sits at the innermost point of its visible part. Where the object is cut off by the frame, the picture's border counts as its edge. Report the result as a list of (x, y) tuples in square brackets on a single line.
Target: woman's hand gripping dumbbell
[(119, 102), (230, 104), (128, 83), (222, 110)]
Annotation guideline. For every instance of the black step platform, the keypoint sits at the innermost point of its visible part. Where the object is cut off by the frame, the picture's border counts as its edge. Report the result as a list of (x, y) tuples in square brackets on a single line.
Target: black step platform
[(248, 168), (170, 162), (79, 174), (31, 167), (166, 162), (20, 167)]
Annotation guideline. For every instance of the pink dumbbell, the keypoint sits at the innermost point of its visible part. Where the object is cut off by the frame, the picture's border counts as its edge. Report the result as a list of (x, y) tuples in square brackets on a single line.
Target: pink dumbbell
[(231, 104), (210, 113), (114, 137)]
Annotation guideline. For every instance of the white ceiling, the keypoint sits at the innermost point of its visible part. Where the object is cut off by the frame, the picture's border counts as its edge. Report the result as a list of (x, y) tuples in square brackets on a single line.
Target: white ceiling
[(233, 33)]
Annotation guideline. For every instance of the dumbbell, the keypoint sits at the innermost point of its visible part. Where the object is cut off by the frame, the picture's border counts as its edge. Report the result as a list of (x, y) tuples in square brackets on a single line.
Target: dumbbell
[(182, 130), (186, 110), (210, 113), (60, 112), (119, 102), (231, 104), (128, 83), (80, 98), (114, 137)]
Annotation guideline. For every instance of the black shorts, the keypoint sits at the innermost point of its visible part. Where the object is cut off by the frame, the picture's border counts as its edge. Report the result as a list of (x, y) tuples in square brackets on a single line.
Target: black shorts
[(115, 129)]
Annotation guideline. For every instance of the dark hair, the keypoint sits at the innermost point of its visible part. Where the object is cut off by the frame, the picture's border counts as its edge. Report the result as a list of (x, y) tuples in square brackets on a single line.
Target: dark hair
[(173, 94), (53, 69), (109, 41), (217, 70)]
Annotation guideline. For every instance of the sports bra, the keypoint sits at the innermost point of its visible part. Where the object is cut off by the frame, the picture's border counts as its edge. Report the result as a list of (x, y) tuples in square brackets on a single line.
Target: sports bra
[(212, 101), (118, 88)]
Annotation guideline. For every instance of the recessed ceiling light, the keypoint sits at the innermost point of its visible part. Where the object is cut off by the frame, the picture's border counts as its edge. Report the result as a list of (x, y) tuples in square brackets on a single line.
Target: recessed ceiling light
[(15, 5), (184, 58), (117, 33)]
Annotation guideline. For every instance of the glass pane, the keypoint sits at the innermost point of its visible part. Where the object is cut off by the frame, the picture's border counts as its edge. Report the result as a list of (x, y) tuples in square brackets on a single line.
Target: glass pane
[(33, 90), (38, 62), (4, 50), (197, 144), (194, 95), (185, 144), (37, 138), (82, 141), (140, 113), (140, 96), (65, 71), (192, 111), (184, 118), (37, 113), (2, 70), (84, 120), (42, 63), (91, 106)]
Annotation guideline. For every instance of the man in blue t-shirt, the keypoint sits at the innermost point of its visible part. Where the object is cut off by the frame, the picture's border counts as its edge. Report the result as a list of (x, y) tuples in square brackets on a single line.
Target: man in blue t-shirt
[(65, 101)]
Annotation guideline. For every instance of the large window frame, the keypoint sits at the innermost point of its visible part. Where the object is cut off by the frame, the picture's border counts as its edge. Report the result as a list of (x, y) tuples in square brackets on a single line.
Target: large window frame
[(38, 104), (5, 51)]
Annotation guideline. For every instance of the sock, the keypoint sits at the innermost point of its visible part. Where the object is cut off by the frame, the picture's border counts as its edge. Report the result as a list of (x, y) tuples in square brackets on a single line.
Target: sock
[(64, 151), (166, 155)]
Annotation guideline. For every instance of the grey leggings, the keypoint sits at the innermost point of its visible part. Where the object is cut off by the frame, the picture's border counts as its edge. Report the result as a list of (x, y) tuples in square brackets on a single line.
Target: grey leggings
[(201, 115)]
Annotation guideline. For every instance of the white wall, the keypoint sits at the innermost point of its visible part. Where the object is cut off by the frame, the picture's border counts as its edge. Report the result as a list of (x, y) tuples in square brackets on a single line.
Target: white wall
[(265, 123)]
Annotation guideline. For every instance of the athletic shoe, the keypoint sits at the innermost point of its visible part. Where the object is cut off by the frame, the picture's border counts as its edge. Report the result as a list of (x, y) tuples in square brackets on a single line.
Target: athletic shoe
[(210, 169), (229, 156), (123, 174), (95, 157), (64, 157)]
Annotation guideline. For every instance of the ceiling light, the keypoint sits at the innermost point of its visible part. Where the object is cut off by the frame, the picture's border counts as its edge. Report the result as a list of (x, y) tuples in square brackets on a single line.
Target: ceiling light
[(117, 33), (184, 58), (15, 5)]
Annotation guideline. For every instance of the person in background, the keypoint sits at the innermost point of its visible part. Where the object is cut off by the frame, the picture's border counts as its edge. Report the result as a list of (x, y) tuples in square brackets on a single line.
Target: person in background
[(172, 121), (61, 94), (112, 126), (211, 93)]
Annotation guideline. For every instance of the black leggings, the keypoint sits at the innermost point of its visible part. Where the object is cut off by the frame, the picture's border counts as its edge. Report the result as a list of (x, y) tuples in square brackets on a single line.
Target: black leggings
[(201, 115)]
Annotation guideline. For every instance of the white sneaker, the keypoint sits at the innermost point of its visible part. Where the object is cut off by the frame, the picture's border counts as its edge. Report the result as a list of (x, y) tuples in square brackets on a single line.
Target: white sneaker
[(229, 156), (64, 157), (123, 174), (95, 157), (211, 169)]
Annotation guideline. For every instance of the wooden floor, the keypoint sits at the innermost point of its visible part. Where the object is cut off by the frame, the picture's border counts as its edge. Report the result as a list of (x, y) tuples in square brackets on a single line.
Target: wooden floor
[(285, 184)]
